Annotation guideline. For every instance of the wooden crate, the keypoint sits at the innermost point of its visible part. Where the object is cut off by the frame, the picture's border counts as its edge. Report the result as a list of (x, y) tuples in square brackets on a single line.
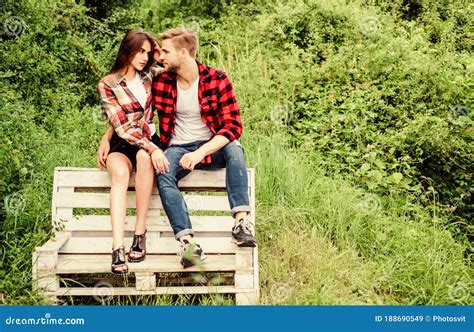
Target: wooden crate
[(83, 241)]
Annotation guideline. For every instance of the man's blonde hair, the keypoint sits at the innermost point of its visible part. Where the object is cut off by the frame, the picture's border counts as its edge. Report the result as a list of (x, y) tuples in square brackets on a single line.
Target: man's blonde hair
[(182, 38)]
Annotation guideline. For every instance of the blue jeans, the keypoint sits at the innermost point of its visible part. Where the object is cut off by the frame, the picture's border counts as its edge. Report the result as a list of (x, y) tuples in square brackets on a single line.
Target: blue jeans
[(231, 156)]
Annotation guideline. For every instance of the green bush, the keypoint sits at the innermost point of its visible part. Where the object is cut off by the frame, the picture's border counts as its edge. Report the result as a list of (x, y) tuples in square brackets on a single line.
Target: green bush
[(357, 118), (382, 99)]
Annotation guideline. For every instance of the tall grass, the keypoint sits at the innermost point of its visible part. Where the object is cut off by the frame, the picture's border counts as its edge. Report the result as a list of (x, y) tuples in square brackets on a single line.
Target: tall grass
[(323, 239)]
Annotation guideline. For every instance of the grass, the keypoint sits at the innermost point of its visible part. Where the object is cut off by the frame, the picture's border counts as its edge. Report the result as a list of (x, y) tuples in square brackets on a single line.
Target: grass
[(322, 239)]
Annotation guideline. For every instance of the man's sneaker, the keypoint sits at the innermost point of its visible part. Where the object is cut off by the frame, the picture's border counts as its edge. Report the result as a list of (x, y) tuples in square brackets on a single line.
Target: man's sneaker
[(191, 254), (243, 233)]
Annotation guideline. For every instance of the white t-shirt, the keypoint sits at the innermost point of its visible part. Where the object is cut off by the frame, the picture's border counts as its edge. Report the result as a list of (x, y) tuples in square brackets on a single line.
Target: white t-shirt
[(138, 89), (189, 126)]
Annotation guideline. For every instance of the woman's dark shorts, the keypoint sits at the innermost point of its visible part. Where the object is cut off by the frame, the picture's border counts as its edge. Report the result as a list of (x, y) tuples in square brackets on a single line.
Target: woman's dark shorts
[(118, 144)]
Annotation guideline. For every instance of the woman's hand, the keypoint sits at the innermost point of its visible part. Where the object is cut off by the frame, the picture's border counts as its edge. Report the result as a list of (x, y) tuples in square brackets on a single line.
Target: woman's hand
[(160, 162), (103, 152)]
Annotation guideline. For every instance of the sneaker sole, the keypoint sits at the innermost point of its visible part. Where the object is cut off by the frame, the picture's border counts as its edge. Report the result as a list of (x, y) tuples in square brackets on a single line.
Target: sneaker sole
[(249, 243)]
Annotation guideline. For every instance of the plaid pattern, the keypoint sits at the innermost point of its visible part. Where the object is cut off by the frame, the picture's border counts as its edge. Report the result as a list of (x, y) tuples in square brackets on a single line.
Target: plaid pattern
[(123, 110), (219, 108)]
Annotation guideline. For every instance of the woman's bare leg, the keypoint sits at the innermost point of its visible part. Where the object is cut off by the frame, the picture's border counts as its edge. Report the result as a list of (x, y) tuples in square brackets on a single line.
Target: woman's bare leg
[(144, 182), (119, 168)]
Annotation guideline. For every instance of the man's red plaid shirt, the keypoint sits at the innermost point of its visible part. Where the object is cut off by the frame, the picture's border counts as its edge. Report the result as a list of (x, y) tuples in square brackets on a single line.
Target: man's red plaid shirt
[(219, 108)]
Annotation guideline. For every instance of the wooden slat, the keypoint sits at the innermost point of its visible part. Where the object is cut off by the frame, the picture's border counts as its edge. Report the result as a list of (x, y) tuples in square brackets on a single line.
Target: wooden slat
[(117, 291), (96, 178), (61, 213), (72, 263), (256, 274), (145, 281), (91, 253), (103, 245), (154, 224), (101, 200), (54, 245)]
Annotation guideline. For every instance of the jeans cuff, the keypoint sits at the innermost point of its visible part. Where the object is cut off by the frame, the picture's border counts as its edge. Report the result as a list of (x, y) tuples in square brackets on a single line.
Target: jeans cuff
[(184, 232), (240, 208)]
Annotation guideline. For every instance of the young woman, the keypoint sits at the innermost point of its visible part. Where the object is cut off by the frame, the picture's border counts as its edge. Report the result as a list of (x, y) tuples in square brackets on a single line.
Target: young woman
[(125, 98)]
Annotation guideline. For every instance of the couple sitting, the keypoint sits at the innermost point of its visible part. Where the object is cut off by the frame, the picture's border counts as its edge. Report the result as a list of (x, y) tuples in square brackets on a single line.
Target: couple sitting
[(199, 124)]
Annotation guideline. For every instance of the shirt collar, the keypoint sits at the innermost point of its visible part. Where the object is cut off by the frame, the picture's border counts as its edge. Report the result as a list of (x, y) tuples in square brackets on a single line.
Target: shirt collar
[(119, 78), (203, 72)]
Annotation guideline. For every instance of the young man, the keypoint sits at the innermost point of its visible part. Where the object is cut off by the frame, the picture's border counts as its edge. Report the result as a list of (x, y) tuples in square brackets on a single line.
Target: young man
[(199, 121)]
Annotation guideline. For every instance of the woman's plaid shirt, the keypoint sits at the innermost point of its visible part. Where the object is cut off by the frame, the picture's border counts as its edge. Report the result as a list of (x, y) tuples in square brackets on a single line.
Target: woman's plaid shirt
[(219, 108), (123, 110)]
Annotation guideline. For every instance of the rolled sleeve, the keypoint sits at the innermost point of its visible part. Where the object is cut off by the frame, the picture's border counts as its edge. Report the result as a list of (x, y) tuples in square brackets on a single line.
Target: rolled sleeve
[(132, 130), (228, 113)]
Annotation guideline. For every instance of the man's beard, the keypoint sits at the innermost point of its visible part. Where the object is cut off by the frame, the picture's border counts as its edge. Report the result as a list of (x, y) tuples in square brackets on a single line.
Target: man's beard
[(172, 68)]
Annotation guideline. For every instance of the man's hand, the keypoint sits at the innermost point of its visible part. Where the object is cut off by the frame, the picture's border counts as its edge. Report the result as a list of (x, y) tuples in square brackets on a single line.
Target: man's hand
[(103, 152), (191, 159), (160, 162)]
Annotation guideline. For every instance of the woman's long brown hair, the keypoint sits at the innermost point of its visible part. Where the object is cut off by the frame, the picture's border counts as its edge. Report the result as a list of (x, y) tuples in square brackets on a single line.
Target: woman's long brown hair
[(130, 45)]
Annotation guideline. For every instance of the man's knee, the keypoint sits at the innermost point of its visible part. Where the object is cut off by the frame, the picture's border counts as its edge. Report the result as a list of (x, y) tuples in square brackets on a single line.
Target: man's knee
[(164, 180), (233, 151)]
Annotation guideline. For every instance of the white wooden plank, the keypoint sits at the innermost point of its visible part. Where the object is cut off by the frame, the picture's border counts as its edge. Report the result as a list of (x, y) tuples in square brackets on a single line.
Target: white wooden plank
[(96, 178), (256, 280), (101, 200), (34, 269), (47, 282), (103, 245), (53, 199), (61, 213), (54, 244), (153, 224), (74, 263), (117, 291), (244, 258), (246, 298), (68, 178), (145, 281)]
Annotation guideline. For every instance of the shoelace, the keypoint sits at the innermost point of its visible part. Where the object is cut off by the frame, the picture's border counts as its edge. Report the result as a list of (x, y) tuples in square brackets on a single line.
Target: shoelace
[(246, 225)]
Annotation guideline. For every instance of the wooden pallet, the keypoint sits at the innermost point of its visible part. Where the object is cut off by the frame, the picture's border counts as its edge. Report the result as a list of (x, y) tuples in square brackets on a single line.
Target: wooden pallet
[(83, 240)]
